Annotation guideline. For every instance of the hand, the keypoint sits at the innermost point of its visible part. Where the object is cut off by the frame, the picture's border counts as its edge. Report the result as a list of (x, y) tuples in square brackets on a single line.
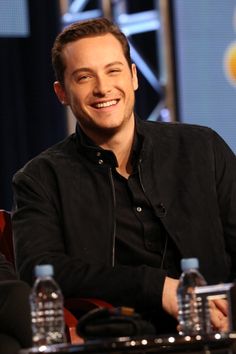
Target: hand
[(218, 307), (169, 296), (219, 314)]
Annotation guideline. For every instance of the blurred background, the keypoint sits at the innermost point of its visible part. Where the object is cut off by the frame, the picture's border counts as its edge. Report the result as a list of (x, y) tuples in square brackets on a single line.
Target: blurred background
[(185, 51)]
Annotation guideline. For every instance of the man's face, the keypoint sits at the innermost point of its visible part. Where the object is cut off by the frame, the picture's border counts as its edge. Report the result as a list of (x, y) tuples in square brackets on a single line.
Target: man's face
[(98, 84)]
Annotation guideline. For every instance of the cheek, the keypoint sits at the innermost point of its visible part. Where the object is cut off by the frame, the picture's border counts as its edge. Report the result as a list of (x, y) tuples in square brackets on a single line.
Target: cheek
[(76, 97), (130, 89), (129, 85)]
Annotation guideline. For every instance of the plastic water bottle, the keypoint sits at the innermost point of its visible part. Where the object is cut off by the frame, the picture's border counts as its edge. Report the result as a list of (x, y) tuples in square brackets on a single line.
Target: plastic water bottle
[(47, 314), (193, 311)]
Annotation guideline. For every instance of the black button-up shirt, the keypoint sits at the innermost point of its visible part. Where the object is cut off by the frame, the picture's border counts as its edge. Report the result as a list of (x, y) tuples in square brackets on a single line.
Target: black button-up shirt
[(140, 235)]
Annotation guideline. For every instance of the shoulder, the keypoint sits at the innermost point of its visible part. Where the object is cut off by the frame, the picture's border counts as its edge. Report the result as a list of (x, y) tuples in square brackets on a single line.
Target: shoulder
[(66, 147), (174, 129), (188, 141), (53, 156), (44, 168), (190, 135)]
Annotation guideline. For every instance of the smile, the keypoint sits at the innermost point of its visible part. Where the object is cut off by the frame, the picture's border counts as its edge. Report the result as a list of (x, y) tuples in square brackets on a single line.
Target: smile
[(106, 104)]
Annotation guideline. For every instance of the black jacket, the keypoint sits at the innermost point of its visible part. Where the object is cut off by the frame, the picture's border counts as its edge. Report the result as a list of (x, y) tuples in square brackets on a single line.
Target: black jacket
[(65, 212)]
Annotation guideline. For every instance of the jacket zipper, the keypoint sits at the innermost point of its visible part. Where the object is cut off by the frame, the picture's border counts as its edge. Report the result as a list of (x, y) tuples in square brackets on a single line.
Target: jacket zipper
[(142, 186), (114, 223), (141, 181)]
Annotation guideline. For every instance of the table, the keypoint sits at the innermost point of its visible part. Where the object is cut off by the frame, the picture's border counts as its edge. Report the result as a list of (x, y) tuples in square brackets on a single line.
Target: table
[(217, 343)]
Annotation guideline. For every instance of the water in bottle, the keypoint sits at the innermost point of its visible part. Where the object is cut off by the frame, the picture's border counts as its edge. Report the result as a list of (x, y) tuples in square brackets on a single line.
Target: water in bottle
[(47, 314), (193, 310)]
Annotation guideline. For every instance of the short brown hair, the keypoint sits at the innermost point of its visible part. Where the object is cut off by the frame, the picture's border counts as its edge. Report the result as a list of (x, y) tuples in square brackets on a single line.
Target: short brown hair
[(84, 29)]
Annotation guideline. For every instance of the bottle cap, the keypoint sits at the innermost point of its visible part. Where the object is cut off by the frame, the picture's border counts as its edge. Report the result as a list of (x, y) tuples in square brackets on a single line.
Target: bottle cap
[(187, 263), (43, 270)]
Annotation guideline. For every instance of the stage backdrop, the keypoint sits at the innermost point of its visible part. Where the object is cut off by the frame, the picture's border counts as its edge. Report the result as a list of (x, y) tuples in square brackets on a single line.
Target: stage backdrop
[(31, 118), (205, 48)]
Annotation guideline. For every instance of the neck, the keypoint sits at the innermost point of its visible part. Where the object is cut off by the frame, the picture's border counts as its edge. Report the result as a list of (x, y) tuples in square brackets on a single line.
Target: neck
[(122, 151), (120, 143)]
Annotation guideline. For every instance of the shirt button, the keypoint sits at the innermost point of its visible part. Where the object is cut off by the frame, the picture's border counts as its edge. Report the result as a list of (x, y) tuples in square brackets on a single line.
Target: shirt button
[(100, 162), (139, 209), (161, 210), (98, 153)]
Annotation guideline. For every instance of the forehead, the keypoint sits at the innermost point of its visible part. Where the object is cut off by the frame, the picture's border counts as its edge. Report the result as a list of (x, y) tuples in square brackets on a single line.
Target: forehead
[(93, 51)]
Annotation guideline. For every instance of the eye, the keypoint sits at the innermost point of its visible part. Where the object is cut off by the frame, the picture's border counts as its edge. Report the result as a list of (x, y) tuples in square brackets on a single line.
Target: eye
[(83, 78), (114, 71)]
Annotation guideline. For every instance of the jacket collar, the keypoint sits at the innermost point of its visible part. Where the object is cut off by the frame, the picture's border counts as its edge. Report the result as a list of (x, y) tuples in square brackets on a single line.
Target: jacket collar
[(104, 157)]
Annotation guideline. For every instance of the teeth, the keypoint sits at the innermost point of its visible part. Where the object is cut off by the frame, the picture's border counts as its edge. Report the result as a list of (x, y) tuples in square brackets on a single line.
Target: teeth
[(105, 104)]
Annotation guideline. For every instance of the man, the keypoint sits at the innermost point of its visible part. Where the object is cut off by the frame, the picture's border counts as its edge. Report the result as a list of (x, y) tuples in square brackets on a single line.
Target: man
[(15, 328), (115, 206)]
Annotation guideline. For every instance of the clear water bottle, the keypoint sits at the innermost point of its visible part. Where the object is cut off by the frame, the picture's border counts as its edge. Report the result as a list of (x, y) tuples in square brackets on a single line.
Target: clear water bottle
[(193, 310), (47, 314)]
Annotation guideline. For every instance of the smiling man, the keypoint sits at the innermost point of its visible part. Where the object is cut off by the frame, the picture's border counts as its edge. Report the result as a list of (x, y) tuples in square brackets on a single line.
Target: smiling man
[(116, 205), (101, 93)]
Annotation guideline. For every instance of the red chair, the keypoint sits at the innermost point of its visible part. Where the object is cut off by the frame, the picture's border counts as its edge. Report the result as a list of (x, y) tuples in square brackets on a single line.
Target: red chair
[(6, 241), (71, 305)]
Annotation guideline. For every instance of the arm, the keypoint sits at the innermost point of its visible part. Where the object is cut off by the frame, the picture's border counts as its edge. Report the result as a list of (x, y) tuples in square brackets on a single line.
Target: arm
[(225, 175), (40, 233)]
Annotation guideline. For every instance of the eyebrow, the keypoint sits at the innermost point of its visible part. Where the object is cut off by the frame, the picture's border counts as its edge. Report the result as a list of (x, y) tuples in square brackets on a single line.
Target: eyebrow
[(86, 69)]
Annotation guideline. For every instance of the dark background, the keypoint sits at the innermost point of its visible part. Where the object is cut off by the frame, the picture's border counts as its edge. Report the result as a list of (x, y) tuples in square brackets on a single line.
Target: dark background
[(31, 118)]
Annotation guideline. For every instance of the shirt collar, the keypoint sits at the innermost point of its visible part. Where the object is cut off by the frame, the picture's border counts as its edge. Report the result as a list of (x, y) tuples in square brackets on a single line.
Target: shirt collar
[(103, 156), (94, 152)]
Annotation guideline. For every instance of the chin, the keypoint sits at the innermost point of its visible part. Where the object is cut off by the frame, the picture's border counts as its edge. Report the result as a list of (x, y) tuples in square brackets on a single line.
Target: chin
[(107, 129)]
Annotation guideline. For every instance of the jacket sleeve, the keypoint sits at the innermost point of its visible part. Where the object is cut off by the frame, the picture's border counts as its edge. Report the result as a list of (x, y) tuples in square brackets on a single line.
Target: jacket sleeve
[(6, 269), (225, 176), (39, 237)]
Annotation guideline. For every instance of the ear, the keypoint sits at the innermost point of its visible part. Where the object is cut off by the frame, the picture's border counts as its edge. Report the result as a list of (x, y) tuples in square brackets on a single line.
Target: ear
[(134, 77), (60, 92)]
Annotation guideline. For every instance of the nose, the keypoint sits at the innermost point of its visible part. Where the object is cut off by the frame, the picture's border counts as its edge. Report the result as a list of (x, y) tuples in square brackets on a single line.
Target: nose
[(102, 86)]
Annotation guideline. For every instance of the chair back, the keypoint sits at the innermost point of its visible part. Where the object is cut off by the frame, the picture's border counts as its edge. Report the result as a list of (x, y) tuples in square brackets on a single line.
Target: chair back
[(6, 238)]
